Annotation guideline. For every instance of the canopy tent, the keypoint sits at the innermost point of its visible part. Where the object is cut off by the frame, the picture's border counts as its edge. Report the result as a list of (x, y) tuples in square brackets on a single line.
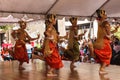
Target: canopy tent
[(37, 9)]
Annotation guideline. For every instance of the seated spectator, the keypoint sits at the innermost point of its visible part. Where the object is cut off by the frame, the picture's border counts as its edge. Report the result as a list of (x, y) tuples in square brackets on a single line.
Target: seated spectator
[(6, 55), (116, 47), (29, 50)]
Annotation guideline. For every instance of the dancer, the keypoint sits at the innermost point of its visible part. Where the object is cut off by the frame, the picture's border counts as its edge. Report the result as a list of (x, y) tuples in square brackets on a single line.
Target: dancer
[(21, 37), (102, 46), (73, 52), (50, 48)]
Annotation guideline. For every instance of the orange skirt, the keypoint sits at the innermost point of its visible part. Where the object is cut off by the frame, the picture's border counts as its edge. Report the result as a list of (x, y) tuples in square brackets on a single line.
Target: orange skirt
[(54, 61), (21, 52), (104, 55)]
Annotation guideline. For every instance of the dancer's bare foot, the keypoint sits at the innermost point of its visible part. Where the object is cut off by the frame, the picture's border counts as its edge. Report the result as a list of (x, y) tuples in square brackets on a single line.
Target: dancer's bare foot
[(102, 71), (21, 68), (102, 77), (72, 67), (51, 75)]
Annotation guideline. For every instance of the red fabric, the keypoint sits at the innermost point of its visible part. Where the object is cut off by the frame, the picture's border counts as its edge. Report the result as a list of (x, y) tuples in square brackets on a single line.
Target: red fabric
[(7, 45), (21, 52), (104, 55), (4, 45), (32, 43), (54, 60)]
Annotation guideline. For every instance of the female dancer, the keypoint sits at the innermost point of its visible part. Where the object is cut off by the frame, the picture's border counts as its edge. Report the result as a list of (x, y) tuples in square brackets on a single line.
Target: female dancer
[(21, 37), (102, 47), (50, 48), (73, 52)]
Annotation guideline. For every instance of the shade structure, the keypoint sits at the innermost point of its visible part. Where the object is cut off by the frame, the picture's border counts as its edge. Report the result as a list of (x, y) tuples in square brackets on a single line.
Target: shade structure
[(81, 8)]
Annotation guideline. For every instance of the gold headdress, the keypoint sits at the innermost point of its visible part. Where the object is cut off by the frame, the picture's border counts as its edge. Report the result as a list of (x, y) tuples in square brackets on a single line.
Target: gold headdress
[(73, 19), (22, 23), (100, 13), (51, 17)]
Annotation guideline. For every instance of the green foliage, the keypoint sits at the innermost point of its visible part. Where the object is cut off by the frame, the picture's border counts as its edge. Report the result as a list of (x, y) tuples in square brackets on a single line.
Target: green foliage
[(6, 27), (117, 34)]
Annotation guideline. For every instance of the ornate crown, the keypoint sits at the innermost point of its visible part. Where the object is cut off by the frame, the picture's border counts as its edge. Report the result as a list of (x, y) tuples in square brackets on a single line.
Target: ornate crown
[(51, 17), (73, 19), (100, 12)]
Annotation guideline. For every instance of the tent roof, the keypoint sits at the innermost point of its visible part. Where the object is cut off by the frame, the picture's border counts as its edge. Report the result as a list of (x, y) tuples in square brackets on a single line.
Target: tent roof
[(36, 8)]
